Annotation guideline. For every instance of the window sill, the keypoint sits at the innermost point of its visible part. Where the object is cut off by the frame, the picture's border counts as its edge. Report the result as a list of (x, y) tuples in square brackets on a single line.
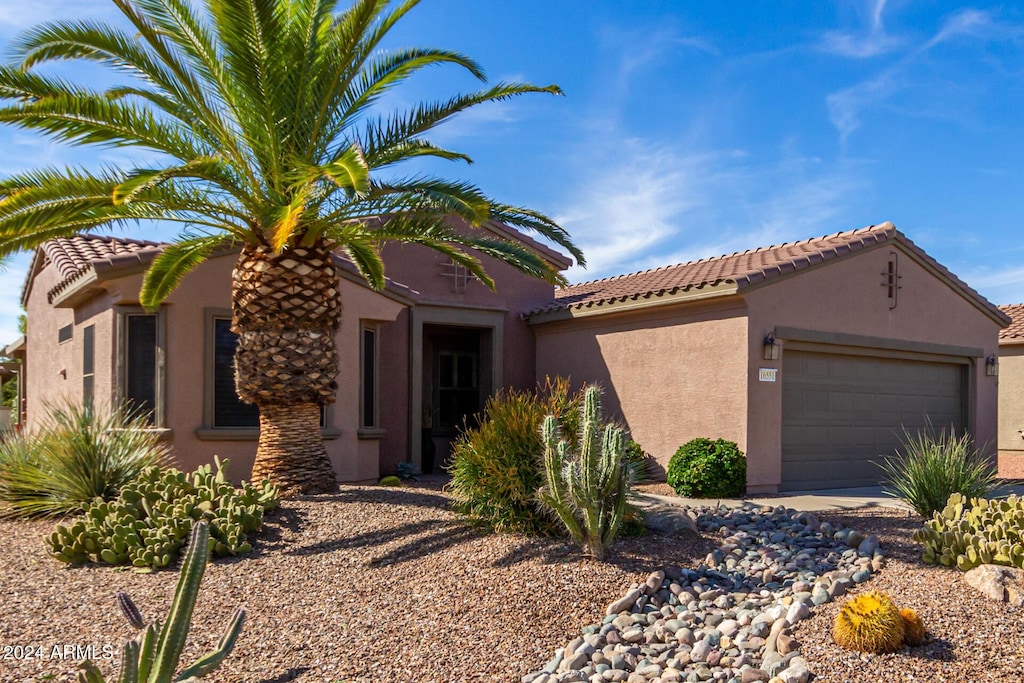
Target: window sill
[(370, 432), (249, 434), (161, 433)]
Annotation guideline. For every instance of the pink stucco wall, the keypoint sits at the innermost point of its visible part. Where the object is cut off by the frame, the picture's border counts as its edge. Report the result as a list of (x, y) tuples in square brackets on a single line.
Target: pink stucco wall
[(669, 374), (846, 296)]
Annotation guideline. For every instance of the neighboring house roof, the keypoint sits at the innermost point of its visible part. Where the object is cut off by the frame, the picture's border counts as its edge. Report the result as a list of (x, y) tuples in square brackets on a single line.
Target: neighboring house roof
[(731, 273), (13, 349), (1014, 334)]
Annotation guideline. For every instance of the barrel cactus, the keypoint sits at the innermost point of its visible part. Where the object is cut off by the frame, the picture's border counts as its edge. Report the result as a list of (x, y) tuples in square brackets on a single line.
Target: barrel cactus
[(913, 627), (869, 623)]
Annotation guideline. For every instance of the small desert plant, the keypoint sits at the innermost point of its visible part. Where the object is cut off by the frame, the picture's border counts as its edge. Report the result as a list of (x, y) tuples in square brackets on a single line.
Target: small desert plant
[(586, 483), (869, 622), (913, 627), (496, 468), (147, 524), (154, 656), (642, 466), (934, 466), (390, 481), (703, 468), (80, 453)]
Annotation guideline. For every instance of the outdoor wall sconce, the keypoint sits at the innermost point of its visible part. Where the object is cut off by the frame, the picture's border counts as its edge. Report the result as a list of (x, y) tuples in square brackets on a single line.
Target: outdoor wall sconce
[(992, 366), (771, 348)]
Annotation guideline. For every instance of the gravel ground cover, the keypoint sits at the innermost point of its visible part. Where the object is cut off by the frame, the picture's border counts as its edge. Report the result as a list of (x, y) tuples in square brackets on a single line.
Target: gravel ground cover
[(377, 584)]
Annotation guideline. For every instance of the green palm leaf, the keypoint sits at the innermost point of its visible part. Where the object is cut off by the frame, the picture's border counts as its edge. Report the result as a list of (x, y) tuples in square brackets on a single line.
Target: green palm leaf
[(174, 263)]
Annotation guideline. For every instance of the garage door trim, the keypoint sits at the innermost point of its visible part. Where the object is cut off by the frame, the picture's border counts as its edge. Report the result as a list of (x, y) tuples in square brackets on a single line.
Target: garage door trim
[(834, 339)]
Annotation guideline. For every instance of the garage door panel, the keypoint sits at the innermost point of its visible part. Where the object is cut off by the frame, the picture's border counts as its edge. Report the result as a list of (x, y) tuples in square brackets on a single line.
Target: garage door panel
[(840, 414)]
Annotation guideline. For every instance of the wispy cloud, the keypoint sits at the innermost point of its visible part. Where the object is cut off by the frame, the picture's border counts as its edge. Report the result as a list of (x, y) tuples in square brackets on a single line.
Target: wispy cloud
[(22, 14), (847, 105), (872, 42), (12, 276)]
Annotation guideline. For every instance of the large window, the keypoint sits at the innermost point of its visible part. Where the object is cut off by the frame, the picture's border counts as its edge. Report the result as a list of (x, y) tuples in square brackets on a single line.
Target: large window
[(140, 360), (228, 409)]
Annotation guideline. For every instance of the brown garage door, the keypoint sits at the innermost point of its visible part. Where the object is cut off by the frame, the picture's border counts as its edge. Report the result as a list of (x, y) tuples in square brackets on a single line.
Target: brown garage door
[(839, 413)]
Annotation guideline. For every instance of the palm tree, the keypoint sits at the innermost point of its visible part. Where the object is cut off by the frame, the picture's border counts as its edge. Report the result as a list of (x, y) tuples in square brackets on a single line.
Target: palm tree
[(265, 115)]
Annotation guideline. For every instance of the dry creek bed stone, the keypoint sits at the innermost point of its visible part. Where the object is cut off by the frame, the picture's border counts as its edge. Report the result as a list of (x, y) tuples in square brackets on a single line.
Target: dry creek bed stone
[(729, 619)]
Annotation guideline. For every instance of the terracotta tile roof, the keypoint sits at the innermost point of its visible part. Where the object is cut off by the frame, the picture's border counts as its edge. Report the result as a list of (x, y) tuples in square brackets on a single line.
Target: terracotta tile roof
[(1015, 332), (741, 269), (75, 256)]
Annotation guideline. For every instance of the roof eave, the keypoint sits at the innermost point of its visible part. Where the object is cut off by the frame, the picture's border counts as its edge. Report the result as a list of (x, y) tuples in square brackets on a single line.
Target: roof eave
[(644, 301), (15, 348)]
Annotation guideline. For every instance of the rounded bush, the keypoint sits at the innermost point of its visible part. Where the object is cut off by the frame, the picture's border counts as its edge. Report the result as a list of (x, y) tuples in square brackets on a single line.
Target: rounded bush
[(703, 468), (390, 481)]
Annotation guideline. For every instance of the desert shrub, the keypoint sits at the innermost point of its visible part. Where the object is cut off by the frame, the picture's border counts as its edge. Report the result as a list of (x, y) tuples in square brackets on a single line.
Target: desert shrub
[(496, 468), (152, 517), (703, 468), (80, 453), (642, 466), (390, 481), (586, 482), (934, 466), (966, 534)]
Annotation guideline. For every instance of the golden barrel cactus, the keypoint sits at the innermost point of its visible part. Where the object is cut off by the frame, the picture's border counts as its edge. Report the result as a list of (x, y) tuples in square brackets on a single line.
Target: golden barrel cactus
[(913, 627), (869, 623)]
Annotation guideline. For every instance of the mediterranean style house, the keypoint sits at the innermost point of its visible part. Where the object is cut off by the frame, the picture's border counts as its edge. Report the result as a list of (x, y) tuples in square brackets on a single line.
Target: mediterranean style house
[(813, 356)]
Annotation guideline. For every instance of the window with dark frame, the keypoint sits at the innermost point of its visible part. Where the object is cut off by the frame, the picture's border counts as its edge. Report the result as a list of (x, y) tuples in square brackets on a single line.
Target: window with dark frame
[(88, 364), (140, 363), (368, 375), (230, 411), (65, 334)]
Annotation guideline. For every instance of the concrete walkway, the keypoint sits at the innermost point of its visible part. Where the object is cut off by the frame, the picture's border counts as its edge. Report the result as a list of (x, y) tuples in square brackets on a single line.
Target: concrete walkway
[(831, 499)]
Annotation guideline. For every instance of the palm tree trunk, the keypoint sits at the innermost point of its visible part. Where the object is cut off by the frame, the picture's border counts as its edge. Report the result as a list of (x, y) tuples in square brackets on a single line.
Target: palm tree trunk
[(286, 311)]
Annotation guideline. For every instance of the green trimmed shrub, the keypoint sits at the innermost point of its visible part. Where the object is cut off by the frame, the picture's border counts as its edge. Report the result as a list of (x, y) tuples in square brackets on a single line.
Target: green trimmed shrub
[(496, 468), (703, 468), (152, 517), (390, 481), (79, 454), (932, 467)]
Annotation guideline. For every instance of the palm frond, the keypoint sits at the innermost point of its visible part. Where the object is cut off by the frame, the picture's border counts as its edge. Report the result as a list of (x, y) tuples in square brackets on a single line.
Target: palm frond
[(367, 260), (174, 263)]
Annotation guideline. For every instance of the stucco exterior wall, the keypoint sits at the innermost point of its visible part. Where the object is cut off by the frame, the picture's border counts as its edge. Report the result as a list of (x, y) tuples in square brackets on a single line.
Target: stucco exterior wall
[(209, 287), (51, 374), (670, 374), (442, 300), (1011, 411), (846, 296)]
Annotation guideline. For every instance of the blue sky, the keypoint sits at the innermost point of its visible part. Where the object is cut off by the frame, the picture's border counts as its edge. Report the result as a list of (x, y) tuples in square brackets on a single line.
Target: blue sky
[(692, 129)]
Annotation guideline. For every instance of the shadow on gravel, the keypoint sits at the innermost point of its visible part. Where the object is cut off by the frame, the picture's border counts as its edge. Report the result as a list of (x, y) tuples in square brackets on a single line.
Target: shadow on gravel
[(937, 649), (289, 675), (385, 495), (424, 538)]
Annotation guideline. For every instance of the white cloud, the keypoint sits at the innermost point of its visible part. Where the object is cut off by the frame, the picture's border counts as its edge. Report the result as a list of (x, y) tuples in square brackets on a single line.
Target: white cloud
[(845, 106), (871, 43), (12, 277), (973, 23)]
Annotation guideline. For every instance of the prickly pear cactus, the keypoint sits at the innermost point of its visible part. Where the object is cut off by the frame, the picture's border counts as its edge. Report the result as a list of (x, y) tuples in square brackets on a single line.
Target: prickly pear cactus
[(149, 522), (971, 533), (869, 622), (153, 657)]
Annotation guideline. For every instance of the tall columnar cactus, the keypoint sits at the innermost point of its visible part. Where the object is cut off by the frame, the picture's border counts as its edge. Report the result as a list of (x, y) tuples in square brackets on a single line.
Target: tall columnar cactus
[(587, 484), (153, 657)]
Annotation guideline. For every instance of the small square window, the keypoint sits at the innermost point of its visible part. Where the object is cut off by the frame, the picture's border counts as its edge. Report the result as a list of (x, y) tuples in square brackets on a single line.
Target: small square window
[(65, 333)]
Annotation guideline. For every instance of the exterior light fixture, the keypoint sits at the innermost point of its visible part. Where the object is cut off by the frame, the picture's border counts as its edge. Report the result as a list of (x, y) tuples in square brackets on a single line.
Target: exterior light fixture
[(992, 366), (771, 348)]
